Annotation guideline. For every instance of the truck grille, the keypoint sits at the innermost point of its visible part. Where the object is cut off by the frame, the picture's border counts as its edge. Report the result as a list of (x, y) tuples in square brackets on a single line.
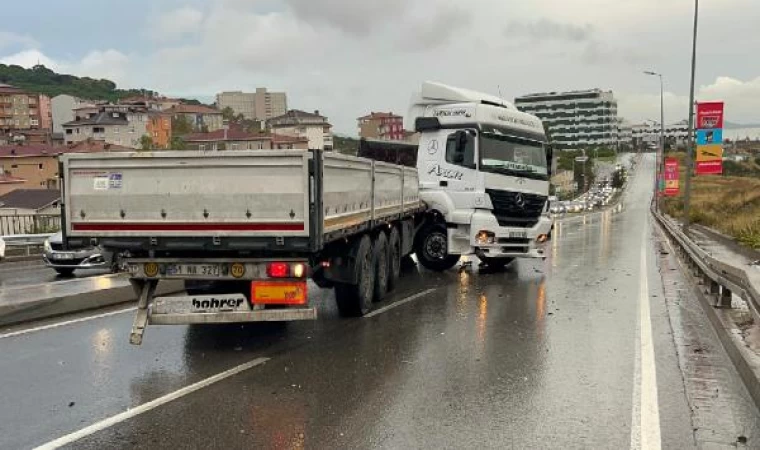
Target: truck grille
[(510, 212)]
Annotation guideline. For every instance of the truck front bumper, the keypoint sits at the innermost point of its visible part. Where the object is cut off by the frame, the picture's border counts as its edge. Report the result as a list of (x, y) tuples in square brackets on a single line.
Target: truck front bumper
[(491, 240)]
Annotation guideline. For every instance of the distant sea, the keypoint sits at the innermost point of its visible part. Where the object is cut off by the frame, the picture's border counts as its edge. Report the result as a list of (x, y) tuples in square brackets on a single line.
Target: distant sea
[(736, 134)]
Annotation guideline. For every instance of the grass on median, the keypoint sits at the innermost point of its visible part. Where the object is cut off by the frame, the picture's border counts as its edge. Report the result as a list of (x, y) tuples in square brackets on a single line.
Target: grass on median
[(729, 204)]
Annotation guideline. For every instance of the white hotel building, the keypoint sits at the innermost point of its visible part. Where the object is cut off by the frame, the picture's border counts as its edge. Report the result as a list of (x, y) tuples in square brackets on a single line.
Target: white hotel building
[(575, 119)]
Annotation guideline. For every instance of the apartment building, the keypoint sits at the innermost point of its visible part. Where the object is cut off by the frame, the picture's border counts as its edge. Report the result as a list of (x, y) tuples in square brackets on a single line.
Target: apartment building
[(237, 139), (19, 110), (575, 119), (159, 128), (382, 125), (201, 118), (312, 126), (63, 107), (122, 125), (259, 105)]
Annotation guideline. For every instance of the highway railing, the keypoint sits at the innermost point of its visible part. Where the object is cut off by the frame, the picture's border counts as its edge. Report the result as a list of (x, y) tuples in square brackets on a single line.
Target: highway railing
[(24, 245), (29, 224), (718, 280)]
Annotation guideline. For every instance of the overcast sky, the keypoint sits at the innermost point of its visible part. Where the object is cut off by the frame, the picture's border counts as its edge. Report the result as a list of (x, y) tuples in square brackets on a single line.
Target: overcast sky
[(350, 57)]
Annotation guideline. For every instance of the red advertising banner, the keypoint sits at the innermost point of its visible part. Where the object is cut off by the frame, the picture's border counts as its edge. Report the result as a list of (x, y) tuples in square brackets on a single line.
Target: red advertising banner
[(671, 177), (709, 115), (710, 138)]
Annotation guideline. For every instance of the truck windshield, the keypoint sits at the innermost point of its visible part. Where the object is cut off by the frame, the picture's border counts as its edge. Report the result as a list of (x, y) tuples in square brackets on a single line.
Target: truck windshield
[(512, 156)]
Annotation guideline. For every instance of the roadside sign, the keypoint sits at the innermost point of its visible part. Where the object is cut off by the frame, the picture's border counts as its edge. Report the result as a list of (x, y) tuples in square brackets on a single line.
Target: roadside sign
[(581, 159), (709, 138), (671, 177)]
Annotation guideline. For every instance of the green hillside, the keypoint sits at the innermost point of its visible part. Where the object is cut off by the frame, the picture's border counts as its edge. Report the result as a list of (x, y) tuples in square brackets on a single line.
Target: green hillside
[(42, 80)]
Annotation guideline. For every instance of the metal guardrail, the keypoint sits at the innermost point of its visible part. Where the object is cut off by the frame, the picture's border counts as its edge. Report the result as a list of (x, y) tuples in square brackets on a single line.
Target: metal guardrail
[(26, 242), (718, 279)]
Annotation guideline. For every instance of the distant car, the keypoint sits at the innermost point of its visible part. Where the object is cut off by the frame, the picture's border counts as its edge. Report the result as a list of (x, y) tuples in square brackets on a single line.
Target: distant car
[(66, 261)]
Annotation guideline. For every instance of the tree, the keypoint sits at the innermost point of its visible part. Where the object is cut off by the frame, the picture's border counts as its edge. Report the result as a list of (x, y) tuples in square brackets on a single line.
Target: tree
[(177, 143), (617, 179), (146, 142), (181, 126), (228, 113)]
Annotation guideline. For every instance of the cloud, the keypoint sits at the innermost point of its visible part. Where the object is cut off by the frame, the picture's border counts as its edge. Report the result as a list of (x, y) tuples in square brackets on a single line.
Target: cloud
[(741, 99), (30, 58), (174, 24), (546, 29), (8, 39), (354, 17)]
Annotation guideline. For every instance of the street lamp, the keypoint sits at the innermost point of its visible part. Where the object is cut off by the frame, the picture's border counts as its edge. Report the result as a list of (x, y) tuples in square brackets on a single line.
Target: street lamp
[(661, 159), (690, 149)]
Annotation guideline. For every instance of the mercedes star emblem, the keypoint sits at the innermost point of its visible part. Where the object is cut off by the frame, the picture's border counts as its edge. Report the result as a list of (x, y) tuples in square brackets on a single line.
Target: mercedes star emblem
[(519, 200), (433, 147)]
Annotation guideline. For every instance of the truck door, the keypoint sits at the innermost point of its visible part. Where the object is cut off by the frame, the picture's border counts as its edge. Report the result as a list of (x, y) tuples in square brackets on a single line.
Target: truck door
[(450, 162)]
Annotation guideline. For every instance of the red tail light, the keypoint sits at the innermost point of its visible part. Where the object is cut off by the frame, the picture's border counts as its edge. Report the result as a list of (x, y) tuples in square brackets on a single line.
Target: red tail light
[(278, 270)]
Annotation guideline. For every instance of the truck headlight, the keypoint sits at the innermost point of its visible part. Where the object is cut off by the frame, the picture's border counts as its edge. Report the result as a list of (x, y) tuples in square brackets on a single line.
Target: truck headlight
[(48, 248), (485, 237)]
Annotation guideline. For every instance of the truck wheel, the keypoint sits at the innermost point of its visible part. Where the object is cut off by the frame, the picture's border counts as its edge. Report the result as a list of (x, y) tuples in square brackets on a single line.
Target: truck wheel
[(380, 261), (432, 249), (394, 258), (497, 263), (356, 299)]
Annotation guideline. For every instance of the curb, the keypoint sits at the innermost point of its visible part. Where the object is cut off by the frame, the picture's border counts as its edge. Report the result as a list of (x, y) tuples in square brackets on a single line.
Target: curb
[(58, 305)]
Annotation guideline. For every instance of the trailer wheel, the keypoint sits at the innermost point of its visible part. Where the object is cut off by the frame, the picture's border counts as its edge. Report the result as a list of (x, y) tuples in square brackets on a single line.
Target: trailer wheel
[(356, 299), (431, 248), (380, 261), (394, 258)]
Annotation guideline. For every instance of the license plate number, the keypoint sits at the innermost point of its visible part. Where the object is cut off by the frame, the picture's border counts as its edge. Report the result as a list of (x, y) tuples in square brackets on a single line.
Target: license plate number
[(278, 293), (518, 234), (204, 270), (63, 256)]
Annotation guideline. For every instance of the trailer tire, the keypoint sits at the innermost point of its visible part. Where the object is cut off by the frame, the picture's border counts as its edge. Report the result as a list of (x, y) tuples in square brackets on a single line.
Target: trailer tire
[(394, 258), (380, 261), (431, 249), (354, 300)]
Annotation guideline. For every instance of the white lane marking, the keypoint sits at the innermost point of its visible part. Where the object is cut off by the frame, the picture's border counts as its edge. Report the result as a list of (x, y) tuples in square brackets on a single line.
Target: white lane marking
[(647, 436), (399, 303), (64, 323), (145, 407)]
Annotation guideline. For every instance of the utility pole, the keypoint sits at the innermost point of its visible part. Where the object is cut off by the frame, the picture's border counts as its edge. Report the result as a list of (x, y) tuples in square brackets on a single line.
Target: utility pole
[(690, 148), (660, 159)]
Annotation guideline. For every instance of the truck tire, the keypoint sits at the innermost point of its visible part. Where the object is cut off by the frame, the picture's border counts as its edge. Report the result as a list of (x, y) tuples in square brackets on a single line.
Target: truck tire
[(432, 249), (380, 258), (394, 258), (497, 263), (355, 300)]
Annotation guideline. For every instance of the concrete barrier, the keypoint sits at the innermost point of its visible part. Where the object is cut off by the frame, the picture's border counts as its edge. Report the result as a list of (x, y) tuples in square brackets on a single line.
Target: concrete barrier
[(28, 303)]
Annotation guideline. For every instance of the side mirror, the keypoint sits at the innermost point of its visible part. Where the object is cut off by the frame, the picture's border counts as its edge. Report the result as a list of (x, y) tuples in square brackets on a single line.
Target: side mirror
[(549, 159)]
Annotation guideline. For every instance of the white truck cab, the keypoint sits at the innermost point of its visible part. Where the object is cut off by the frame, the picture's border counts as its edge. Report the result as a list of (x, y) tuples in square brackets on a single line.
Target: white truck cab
[(484, 170)]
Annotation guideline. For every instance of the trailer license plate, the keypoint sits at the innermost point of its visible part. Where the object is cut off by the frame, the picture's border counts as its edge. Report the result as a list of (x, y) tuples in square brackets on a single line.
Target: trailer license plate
[(278, 292), (518, 234), (205, 270)]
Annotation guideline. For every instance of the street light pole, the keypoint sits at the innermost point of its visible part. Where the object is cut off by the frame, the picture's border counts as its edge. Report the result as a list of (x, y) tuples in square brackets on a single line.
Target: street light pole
[(660, 160), (690, 149)]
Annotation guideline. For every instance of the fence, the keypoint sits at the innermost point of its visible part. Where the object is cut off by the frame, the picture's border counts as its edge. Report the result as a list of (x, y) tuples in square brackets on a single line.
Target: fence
[(30, 224)]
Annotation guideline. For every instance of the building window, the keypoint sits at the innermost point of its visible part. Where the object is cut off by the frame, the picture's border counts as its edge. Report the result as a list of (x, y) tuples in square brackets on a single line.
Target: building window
[(201, 146), (69, 131), (40, 166), (235, 147), (14, 166), (115, 130)]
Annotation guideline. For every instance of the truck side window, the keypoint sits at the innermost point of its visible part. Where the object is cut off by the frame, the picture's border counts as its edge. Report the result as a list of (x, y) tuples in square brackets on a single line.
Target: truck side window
[(461, 156)]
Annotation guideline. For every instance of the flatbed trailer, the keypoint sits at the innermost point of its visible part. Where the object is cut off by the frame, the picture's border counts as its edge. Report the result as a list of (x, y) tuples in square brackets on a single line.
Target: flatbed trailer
[(244, 229)]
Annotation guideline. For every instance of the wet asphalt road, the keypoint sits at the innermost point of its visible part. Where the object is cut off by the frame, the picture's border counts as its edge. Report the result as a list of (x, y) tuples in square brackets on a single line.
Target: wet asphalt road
[(543, 355)]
